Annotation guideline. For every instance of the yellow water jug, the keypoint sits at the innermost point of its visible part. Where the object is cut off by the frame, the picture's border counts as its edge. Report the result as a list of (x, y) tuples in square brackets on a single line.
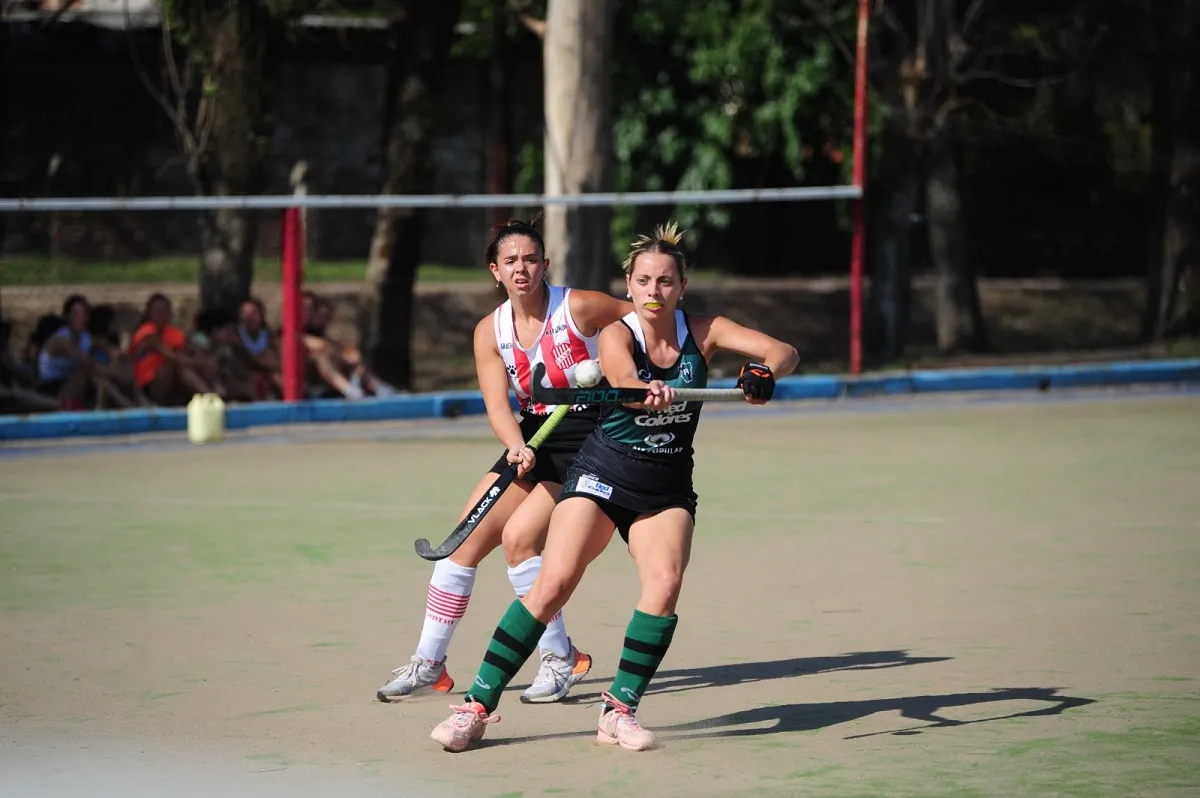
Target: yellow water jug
[(205, 418)]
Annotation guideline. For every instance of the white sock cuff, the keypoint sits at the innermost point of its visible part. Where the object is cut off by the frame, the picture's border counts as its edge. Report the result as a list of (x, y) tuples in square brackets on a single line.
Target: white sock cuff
[(524, 575), (453, 578)]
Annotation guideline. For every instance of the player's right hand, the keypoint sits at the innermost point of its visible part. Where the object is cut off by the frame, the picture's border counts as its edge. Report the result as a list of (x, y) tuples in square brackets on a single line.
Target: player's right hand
[(524, 457), (659, 396)]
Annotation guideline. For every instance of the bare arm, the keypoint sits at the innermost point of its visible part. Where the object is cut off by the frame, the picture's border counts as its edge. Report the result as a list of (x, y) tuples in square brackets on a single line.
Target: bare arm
[(154, 343), (595, 310), (719, 333), (616, 360), (616, 357), (64, 346), (493, 383)]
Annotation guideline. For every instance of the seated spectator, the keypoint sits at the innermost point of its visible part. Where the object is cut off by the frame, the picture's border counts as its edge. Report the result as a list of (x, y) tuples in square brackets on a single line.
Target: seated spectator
[(66, 369), (333, 365), (258, 349), (18, 392), (106, 350), (46, 326), (165, 368), (215, 342)]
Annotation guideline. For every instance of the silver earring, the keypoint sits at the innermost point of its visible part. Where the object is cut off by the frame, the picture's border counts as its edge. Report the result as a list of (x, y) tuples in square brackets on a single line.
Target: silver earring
[(628, 295)]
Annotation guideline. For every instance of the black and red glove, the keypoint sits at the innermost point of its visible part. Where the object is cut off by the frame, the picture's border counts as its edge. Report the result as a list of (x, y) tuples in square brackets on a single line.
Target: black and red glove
[(757, 381)]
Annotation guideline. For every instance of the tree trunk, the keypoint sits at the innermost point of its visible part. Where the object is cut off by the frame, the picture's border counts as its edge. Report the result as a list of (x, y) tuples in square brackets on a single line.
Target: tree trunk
[(892, 202), (227, 239), (500, 96), (245, 55), (1173, 267), (959, 317), (421, 35), (577, 56), (1183, 211)]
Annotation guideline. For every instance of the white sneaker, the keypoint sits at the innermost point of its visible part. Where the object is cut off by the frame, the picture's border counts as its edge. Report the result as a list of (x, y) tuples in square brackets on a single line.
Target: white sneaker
[(416, 675), (557, 676)]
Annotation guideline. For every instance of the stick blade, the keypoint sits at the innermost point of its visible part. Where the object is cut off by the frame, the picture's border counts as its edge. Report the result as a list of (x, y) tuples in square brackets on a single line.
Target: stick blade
[(427, 552), (461, 532)]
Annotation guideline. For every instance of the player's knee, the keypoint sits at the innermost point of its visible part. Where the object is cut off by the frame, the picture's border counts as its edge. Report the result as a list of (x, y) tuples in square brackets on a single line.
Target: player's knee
[(660, 590), (549, 594), (520, 543)]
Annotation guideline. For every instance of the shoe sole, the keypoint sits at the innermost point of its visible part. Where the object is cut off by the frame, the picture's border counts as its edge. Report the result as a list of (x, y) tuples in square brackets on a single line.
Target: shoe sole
[(572, 680), (389, 699)]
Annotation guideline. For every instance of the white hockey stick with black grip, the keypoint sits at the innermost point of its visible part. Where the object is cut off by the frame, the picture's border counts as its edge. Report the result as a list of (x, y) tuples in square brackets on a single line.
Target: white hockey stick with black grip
[(489, 498)]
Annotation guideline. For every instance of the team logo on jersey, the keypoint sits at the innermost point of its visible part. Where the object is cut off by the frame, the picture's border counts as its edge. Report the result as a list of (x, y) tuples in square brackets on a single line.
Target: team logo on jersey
[(644, 375), (660, 439), (685, 371), (562, 355), (675, 414), (512, 371)]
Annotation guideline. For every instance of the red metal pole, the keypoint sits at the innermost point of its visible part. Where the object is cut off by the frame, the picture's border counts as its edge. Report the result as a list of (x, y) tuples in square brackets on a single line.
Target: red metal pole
[(292, 278), (858, 241)]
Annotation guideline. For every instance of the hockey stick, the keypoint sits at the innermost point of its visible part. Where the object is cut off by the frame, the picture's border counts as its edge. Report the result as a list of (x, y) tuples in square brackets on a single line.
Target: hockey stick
[(489, 499), (621, 396)]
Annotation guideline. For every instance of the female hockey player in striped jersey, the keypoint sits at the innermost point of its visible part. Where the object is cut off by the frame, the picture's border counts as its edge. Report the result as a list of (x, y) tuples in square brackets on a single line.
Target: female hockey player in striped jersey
[(632, 475), (557, 328)]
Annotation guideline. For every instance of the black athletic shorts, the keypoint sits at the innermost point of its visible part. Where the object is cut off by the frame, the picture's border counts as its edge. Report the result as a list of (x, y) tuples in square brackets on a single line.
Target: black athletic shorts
[(555, 456), (626, 484)]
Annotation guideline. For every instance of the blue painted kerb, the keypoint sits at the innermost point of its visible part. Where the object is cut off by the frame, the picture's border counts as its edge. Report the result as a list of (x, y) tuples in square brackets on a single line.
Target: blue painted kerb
[(456, 403)]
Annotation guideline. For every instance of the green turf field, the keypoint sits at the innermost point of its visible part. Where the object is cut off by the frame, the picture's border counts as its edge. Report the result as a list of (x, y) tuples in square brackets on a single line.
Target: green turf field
[(955, 600)]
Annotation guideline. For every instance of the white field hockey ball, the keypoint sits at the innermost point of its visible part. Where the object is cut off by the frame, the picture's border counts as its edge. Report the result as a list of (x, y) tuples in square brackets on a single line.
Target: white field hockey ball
[(588, 373)]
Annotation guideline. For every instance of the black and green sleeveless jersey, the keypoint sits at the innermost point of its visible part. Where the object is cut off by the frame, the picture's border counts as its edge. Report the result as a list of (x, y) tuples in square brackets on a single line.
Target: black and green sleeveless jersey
[(668, 433)]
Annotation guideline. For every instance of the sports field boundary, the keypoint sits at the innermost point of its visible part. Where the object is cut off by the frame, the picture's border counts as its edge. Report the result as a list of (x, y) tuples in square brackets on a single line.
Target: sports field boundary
[(451, 404)]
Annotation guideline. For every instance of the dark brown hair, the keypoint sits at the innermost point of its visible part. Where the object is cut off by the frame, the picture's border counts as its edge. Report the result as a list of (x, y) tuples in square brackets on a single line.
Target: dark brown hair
[(515, 227)]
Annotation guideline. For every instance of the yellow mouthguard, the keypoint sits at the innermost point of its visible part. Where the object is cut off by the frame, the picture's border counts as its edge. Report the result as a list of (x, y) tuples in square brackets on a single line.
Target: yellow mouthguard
[(653, 305)]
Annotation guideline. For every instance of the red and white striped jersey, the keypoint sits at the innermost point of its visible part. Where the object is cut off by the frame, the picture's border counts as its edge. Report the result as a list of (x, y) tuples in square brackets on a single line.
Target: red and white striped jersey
[(560, 346)]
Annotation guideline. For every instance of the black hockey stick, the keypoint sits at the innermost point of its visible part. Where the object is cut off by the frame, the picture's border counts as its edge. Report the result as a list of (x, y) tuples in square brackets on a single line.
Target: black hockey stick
[(621, 396), (489, 499)]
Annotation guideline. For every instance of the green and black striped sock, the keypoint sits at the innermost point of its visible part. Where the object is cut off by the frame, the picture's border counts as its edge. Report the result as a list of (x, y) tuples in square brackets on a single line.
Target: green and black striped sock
[(647, 639), (513, 641)]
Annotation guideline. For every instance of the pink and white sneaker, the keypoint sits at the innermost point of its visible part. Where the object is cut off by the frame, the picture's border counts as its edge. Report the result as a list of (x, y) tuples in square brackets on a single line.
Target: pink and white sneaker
[(618, 726), (467, 724)]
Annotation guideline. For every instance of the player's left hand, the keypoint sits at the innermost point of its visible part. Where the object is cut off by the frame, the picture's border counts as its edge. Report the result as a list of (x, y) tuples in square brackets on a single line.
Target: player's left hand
[(659, 396), (525, 459), (757, 382)]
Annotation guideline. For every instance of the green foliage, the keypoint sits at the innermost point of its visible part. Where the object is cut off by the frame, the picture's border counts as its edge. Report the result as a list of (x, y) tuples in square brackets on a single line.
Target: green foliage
[(726, 94), (475, 40)]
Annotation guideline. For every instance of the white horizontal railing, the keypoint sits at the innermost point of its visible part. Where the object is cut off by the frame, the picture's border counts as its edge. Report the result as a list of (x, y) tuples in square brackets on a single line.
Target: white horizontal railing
[(280, 201)]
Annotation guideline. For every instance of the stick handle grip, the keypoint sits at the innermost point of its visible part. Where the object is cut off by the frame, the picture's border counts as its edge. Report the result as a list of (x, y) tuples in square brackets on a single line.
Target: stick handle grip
[(540, 436)]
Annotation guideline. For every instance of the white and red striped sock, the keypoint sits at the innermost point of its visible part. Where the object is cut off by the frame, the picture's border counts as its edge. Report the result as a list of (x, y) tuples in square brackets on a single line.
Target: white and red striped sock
[(449, 591), (555, 637)]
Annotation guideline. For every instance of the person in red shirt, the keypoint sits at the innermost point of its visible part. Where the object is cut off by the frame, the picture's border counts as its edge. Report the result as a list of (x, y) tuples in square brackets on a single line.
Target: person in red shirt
[(164, 367)]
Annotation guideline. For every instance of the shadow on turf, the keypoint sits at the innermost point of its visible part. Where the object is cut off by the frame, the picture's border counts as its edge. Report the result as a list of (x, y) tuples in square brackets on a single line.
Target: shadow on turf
[(681, 680), (813, 717), (924, 708)]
